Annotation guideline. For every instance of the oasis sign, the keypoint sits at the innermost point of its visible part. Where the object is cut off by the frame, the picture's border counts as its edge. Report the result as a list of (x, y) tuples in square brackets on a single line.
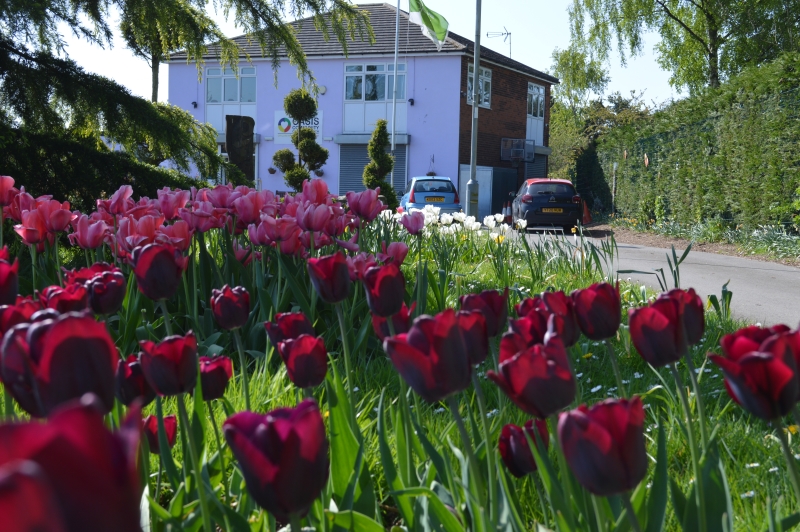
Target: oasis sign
[(285, 126)]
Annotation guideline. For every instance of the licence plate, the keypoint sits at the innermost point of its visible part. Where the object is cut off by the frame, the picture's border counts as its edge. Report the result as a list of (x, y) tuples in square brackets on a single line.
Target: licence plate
[(435, 199), (552, 210)]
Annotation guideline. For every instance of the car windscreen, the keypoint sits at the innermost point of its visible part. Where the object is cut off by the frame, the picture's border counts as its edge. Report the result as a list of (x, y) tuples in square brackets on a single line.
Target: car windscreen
[(434, 185), (553, 189)]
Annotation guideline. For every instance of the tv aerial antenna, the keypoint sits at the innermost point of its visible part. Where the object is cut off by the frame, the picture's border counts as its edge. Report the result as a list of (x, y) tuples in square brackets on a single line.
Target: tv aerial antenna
[(505, 34)]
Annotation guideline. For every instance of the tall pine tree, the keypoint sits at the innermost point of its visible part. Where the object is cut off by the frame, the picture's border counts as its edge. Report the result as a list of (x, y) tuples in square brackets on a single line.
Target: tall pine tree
[(381, 164)]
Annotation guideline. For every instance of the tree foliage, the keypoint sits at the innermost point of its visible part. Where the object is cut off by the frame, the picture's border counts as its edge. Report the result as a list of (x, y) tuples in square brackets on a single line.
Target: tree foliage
[(52, 109), (703, 42), (301, 107), (381, 164)]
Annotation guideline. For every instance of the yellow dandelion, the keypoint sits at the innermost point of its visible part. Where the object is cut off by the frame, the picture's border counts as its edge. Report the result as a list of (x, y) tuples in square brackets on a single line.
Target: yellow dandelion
[(793, 429), (499, 239), (587, 355)]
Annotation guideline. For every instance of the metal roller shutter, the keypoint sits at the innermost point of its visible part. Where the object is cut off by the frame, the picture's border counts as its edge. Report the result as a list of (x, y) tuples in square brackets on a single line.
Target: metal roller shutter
[(538, 168), (352, 160)]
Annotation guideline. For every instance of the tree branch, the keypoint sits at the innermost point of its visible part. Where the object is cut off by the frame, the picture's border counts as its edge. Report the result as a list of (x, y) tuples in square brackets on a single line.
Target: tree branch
[(683, 25)]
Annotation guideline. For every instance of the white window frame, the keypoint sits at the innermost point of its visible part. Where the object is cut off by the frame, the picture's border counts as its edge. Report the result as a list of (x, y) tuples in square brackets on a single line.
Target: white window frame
[(485, 84), (387, 71), (227, 73), (534, 91)]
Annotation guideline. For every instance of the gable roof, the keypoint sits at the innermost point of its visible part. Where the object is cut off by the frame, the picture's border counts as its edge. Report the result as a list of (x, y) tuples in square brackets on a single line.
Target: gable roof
[(382, 18)]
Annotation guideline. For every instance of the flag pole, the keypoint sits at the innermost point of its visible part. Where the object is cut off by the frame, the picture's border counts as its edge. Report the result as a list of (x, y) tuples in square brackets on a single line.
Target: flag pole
[(472, 184), (394, 89)]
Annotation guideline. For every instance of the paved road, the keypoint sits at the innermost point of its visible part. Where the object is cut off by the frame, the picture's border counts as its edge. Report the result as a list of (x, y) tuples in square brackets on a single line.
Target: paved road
[(763, 292)]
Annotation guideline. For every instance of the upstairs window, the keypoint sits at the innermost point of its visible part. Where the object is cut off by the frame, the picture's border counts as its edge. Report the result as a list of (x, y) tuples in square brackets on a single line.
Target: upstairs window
[(222, 86), (536, 100), (373, 82), (484, 86)]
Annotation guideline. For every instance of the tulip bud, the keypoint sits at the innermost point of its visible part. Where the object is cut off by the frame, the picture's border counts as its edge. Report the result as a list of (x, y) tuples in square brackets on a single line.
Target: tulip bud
[(170, 366), (560, 305), (150, 429), (493, 305), (401, 322), (277, 449), (413, 222), (231, 306), (330, 277), (692, 313), (107, 292), (288, 325), (158, 269), (131, 384), (515, 449), (431, 357), (657, 332), (473, 330), (604, 445), (306, 360), (71, 298), (215, 372), (598, 309), (385, 288)]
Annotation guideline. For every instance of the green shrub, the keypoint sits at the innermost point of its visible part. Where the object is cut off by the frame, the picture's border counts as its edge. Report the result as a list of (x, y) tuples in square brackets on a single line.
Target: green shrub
[(300, 106), (380, 165)]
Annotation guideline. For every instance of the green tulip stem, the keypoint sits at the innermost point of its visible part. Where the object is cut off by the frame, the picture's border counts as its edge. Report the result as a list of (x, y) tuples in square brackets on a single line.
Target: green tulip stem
[(562, 460), (701, 411), (167, 320), (418, 309), (698, 478), (198, 472), (541, 493), (473, 460), (8, 405), (58, 260), (598, 516), (157, 493), (294, 521), (612, 354), (218, 439), (346, 353), (490, 458), (85, 254), (33, 267), (787, 454), (242, 368), (626, 503)]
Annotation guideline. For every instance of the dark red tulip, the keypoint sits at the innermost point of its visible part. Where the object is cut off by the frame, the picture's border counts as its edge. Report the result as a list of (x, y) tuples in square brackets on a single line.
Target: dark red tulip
[(306, 360), (70, 298), (763, 379), (657, 332), (131, 384), (538, 379), (330, 277), (560, 305), (385, 287), (170, 366), (27, 501), (288, 325), (528, 305), (692, 312), (277, 449), (401, 322), (9, 281), (59, 360), (84, 275), (473, 329), (598, 310), (215, 372), (107, 292), (494, 307), (515, 449), (150, 429), (18, 312), (532, 328), (604, 445), (91, 472), (431, 356), (748, 339), (158, 269), (231, 306)]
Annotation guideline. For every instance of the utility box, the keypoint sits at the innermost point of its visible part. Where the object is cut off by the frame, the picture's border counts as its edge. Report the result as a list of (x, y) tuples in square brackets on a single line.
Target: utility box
[(494, 186)]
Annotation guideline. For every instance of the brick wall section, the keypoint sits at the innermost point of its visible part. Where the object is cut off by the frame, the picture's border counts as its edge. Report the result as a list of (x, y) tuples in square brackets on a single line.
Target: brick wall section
[(507, 117)]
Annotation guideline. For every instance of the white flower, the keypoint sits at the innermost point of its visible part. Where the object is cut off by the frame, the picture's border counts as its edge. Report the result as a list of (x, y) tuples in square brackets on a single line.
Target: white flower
[(386, 214), (489, 222), (522, 224), (469, 220), (505, 228), (460, 217), (499, 218), (432, 210), (596, 388), (473, 226), (431, 218), (446, 219), (396, 216)]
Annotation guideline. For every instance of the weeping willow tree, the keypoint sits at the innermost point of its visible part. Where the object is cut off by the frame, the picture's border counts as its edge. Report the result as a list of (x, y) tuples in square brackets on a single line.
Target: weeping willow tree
[(78, 135)]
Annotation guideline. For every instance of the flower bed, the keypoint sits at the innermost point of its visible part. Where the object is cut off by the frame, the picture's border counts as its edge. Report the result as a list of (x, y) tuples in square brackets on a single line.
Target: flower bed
[(227, 359)]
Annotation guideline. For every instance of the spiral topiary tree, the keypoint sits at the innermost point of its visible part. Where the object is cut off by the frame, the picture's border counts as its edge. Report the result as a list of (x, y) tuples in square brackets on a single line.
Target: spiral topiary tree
[(301, 107), (380, 165)]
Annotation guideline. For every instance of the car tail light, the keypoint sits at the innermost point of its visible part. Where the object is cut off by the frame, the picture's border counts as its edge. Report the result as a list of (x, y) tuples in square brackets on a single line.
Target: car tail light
[(576, 199), (411, 196), (526, 198), (458, 200)]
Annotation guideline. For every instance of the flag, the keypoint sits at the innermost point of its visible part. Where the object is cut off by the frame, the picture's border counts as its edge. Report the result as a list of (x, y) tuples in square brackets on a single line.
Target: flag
[(434, 26)]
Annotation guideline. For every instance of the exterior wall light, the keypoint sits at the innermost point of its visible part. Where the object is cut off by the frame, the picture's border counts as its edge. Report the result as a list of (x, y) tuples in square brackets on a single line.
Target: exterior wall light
[(411, 101)]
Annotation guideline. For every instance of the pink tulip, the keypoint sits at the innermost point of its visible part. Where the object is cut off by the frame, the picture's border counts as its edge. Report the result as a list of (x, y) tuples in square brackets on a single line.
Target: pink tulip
[(366, 204), (56, 215), (178, 234), (121, 201), (312, 217), (315, 191), (396, 252), (87, 234), (7, 190), (170, 201), (203, 216), (413, 222), (32, 230)]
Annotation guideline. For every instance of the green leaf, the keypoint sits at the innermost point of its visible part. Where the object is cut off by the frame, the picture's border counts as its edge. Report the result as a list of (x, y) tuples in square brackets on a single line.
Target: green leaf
[(657, 500), (176, 504), (389, 470), (447, 519), (159, 510), (297, 291), (198, 420), (353, 521)]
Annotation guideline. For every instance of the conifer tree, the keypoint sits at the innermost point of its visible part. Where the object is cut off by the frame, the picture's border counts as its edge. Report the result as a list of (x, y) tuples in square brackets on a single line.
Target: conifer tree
[(381, 164), (301, 107)]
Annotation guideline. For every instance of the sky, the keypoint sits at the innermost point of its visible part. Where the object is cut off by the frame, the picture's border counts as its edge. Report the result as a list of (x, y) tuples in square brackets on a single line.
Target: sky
[(537, 27)]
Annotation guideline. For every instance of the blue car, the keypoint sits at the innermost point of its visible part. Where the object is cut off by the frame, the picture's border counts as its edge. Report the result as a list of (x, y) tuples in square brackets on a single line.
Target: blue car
[(431, 190)]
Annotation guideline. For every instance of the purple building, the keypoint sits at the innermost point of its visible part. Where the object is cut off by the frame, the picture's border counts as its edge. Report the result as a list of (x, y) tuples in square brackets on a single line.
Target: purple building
[(434, 99)]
